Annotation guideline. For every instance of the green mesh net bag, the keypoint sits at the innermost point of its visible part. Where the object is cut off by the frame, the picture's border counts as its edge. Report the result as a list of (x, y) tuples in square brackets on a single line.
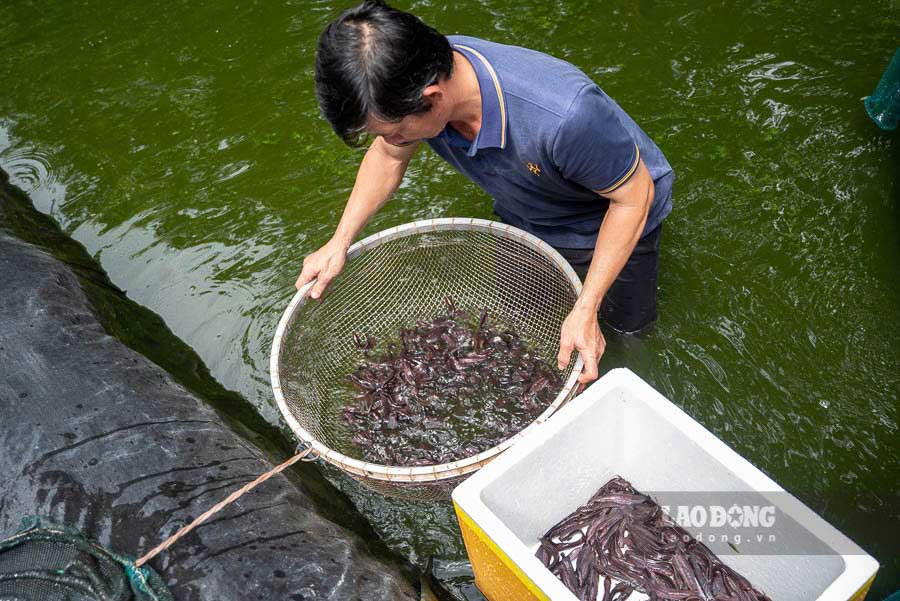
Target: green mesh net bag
[(884, 103), (46, 562)]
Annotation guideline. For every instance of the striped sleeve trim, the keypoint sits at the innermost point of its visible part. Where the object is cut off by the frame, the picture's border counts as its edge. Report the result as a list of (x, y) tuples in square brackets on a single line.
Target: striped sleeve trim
[(497, 87), (628, 174)]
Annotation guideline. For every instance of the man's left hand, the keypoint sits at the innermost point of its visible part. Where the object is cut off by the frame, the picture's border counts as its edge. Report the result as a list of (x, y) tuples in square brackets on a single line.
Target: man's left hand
[(581, 331)]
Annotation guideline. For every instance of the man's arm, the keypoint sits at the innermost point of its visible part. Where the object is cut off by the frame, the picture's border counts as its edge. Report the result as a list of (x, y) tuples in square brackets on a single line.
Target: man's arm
[(619, 233), (621, 229), (379, 175)]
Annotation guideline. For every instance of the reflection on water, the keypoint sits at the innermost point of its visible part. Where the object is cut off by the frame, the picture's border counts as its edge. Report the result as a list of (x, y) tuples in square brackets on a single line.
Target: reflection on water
[(183, 147)]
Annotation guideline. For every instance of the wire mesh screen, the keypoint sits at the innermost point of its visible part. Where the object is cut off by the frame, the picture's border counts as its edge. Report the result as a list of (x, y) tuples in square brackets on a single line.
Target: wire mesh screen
[(438, 490), (397, 277)]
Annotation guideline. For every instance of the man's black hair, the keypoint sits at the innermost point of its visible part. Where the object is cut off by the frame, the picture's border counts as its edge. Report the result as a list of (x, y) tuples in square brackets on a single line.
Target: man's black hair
[(376, 60)]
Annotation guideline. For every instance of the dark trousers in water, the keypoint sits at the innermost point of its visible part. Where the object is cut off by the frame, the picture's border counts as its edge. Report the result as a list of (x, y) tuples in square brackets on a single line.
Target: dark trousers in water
[(629, 306)]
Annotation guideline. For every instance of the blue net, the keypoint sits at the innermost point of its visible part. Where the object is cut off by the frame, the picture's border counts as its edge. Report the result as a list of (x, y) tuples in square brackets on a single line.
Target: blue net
[(884, 103)]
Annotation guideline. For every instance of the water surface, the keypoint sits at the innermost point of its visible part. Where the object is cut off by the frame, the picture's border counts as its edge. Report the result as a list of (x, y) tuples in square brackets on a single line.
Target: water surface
[(181, 144)]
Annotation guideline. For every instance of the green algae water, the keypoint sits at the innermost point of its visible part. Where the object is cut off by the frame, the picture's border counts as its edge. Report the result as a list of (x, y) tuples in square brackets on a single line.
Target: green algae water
[(181, 144)]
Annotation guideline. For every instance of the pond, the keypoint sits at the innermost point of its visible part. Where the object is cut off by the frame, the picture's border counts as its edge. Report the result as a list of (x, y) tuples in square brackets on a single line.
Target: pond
[(181, 143)]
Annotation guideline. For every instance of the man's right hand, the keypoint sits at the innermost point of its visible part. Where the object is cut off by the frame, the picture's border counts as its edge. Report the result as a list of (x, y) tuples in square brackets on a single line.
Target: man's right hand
[(323, 266), (380, 172)]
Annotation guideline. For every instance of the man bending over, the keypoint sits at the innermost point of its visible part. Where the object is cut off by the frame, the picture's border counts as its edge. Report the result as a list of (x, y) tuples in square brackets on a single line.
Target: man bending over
[(558, 156)]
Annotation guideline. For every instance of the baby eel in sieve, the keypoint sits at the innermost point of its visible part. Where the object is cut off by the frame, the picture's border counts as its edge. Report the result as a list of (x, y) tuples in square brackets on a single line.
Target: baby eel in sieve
[(441, 370)]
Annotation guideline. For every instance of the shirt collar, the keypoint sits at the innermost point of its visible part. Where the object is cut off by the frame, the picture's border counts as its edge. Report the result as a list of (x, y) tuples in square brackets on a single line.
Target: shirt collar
[(493, 104)]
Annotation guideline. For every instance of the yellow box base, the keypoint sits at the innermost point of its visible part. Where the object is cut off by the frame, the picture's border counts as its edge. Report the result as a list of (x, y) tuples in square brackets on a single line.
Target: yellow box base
[(496, 576)]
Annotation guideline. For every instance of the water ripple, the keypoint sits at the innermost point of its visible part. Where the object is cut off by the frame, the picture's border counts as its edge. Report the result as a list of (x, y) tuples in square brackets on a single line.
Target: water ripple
[(232, 170), (783, 71), (29, 168)]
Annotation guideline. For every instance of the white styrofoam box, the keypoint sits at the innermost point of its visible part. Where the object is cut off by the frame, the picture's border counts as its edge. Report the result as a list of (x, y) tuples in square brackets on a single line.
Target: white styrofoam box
[(622, 426)]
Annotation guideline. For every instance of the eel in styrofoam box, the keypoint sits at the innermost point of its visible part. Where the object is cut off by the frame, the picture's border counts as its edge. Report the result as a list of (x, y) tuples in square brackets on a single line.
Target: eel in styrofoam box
[(620, 426)]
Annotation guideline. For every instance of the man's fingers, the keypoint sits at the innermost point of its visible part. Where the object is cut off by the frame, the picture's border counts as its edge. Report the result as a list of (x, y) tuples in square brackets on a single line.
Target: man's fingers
[(565, 351), (319, 288), (306, 276), (322, 283), (589, 374)]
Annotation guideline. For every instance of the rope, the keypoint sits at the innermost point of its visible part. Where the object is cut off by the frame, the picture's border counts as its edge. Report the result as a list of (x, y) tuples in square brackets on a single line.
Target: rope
[(222, 504)]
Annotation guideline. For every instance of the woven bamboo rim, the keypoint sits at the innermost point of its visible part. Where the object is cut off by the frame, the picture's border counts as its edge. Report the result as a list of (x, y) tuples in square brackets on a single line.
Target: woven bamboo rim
[(429, 473)]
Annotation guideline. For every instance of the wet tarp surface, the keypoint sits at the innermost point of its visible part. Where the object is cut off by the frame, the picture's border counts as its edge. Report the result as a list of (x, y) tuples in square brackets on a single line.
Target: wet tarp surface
[(94, 436)]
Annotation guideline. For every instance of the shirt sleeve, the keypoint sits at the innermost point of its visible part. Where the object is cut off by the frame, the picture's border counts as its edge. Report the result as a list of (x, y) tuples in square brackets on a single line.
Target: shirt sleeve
[(592, 147)]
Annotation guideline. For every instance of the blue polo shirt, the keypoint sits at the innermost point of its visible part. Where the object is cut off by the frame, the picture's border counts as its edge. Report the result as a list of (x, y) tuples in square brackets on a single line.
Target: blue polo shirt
[(550, 139)]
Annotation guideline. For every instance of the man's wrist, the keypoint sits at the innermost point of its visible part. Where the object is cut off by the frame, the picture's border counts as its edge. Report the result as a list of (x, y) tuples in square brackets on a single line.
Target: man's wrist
[(586, 304), (342, 240)]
